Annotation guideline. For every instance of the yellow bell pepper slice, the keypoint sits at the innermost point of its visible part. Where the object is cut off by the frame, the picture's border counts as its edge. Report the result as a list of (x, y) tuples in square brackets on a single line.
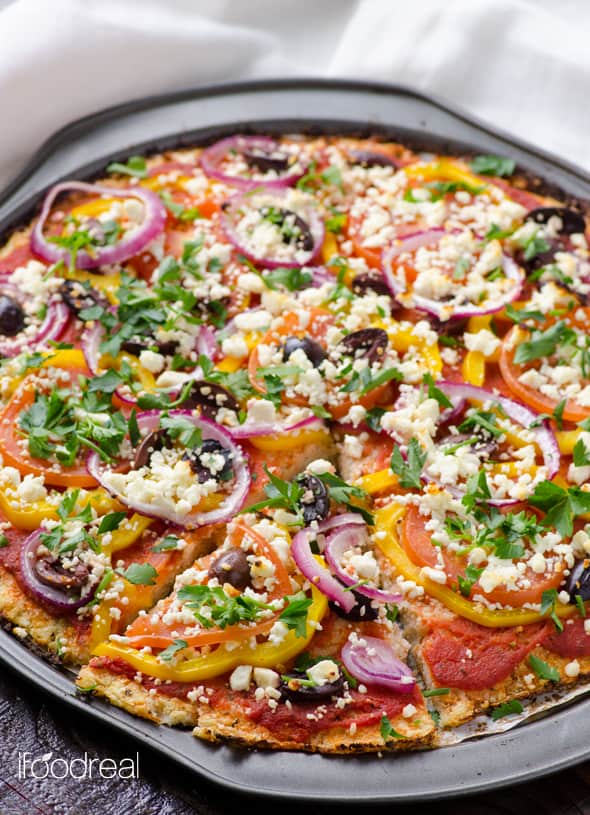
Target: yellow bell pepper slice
[(93, 208), (444, 168), (127, 533), (386, 520), (30, 516), (102, 624), (329, 247), (66, 358), (567, 439), (221, 661), (379, 481), (402, 339), (289, 441), (474, 368)]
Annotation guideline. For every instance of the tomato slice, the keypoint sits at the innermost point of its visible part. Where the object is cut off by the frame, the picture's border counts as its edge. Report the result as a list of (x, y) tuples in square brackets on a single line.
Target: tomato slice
[(417, 542), (539, 401), (11, 441), (155, 633)]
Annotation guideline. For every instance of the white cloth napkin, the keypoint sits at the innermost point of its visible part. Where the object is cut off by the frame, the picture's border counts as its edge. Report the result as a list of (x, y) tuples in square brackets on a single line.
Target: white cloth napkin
[(521, 64)]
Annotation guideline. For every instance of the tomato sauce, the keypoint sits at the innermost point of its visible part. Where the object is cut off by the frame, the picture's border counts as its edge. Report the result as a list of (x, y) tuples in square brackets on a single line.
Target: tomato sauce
[(572, 642), (462, 654)]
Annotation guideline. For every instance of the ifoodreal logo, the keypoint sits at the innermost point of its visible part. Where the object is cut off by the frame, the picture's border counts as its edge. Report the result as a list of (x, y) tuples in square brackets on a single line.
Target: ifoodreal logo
[(50, 765)]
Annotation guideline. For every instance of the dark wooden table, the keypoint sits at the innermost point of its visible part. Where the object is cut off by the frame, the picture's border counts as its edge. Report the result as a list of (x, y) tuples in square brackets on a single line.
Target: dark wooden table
[(32, 722)]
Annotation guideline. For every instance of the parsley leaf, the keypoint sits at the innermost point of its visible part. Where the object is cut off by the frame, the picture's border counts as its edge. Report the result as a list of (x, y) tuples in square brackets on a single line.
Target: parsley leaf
[(410, 470), (111, 522), (140, 574), (135, 166), (581, 454), (542, 669), (436, 393), (168, 653), (469, 579), (343, 493), (167, 544), (543, 343), (387, 730), (294, 615), (507, 709), (492, 165), (548, 603)]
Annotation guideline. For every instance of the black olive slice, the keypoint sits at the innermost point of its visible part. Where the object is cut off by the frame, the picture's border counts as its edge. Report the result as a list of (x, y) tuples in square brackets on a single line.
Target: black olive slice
[(312, 349), (362, 611), (135, 346), (231, 567), (572, 221), (210, 398), (315, 501), (77, 297), (368, 343), (279, 162), (152, 442), (294, 230), (52, 573), (578, 584), (12, 316), (373, 282), (292, 687), (200, 467), (371, 158)]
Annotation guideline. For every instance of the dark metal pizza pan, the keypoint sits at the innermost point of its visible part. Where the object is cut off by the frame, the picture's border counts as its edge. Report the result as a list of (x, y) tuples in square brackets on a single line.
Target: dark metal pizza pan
[(322, 106)]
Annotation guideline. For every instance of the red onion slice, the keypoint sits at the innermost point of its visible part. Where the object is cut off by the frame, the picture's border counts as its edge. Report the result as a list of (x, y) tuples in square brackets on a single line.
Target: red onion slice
[(339, 541), (136, 240), (230, 506), (55, 598), (212, 158), (308, 214), (544, 436), (434, 307), (374, 661), (317, 574), (52, 328), (250, 429)]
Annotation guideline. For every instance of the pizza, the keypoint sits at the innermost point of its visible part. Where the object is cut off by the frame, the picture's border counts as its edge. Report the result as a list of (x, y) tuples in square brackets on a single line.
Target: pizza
[(295, 440)]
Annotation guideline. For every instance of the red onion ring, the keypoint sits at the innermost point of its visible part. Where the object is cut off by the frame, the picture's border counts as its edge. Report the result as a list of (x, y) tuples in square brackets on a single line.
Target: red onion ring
[(338, 542), (317, 574), (434, 307), (311, 217), (230, 506), (51, 329), (544, 436), (212, 157), (337, 521), (374, 661), (90, 345), (153, 224), (251, 429), (206, 343), (50, 596)]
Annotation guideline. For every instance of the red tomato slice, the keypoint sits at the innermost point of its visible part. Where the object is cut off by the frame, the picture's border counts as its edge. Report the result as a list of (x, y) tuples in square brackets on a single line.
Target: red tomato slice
[(417, 542)]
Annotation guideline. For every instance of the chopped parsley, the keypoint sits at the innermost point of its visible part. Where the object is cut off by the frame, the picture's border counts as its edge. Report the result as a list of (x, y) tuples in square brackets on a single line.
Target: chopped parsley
[(135, 166), (388, 732), (140, 574), (492, 165), (543, 669), (507, 709), (409, 470), (169, 653)]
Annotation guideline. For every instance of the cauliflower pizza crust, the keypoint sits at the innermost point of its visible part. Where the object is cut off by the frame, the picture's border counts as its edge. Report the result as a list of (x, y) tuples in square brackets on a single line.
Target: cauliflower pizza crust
[(295, 440)]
